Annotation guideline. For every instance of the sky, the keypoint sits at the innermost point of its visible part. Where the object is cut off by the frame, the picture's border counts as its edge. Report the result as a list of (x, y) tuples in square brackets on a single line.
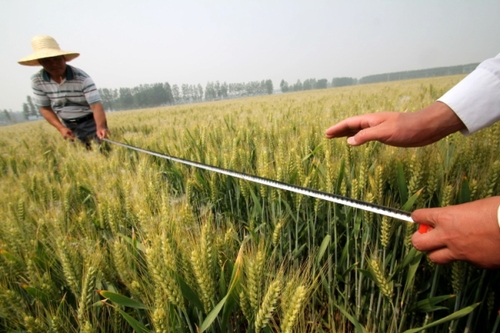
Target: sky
[(126, 43)]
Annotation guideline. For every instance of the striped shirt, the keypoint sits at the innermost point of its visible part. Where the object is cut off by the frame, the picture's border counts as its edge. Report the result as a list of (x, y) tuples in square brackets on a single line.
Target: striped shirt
[(69, 99)]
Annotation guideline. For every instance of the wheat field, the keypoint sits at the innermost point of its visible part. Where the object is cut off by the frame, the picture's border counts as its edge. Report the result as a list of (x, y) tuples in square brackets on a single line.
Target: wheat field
[(121, 241)]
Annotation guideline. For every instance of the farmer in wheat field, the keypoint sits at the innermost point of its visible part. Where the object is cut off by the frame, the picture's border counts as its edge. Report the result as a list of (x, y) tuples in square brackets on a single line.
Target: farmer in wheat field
[(66, 96), (470, 231)]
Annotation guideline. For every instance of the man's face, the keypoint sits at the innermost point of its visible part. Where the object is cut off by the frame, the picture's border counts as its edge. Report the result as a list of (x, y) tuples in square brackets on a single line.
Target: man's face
[(55, 66)]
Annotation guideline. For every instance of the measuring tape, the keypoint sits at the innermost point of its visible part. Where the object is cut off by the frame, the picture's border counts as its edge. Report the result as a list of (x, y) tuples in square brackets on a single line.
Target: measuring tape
[(338, 199)]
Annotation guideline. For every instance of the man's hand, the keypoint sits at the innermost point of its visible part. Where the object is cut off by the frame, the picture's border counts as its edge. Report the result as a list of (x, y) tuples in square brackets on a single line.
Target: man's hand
[(66, 133), (399, 129), (102, 133), (468, 232)]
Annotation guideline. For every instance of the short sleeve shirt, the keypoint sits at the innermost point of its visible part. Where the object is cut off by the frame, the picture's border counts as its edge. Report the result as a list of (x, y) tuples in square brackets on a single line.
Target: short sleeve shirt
[(69, 99)]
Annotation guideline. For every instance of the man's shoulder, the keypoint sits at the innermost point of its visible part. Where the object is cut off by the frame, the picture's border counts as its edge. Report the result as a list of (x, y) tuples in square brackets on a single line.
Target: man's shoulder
[(37, 75), (37, 79), (78, 73)]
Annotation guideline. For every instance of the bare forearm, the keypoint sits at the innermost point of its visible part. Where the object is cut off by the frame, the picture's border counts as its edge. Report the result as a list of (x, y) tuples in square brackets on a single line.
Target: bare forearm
[(99, 115), (51, 117), (438, 121), (100, 121)]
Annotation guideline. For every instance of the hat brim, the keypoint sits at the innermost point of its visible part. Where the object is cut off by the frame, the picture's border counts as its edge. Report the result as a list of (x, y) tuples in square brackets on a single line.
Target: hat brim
[(32, 60)]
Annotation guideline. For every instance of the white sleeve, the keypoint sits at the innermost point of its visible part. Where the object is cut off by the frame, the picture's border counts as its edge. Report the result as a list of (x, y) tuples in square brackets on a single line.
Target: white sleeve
[(476, 99)]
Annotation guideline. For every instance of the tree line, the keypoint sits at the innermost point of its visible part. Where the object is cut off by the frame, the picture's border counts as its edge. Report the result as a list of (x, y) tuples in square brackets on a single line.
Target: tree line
[(162, 94), (154, 95), (421, 73)]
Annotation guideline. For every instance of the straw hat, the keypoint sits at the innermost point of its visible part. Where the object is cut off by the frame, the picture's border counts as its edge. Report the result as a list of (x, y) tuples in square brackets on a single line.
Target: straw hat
[(45, 47)]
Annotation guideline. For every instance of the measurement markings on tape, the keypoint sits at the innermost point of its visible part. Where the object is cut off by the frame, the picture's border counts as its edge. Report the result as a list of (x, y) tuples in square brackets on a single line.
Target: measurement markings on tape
[(338, 199)]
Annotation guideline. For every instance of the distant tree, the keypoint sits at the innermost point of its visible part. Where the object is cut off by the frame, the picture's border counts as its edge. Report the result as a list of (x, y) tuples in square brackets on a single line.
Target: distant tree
[(217, 89), (185, 93), (193, 92), (126, 100), (224, 90), (343, 81), (253, 88), (140, 96), (168, 90), (7, 115), (176, 93), (236, 89), (33, 111), (26, 111), (107, 98), (200, 92), (241, 89), (321, 84), (284, 86), (210, 93), (297, 86), (309, 84), (158, 95), (269, 87)]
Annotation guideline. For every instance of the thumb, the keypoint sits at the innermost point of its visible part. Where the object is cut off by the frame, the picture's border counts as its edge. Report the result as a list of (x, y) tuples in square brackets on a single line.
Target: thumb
[(363, 136)]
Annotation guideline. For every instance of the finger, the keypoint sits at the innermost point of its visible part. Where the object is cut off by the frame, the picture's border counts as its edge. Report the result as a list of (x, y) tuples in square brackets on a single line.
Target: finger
[(346, 127), (355, 141), (376, 133), (104, 134), (429, 241), (441, 256), (425, 216)]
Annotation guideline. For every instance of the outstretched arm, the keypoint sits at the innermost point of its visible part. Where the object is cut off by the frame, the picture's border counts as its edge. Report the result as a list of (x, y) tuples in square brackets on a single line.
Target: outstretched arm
[(399, 129), (472, 104)]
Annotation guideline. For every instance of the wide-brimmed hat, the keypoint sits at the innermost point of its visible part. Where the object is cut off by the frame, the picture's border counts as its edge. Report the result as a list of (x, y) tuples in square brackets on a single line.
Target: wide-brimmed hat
[(45, 47)]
